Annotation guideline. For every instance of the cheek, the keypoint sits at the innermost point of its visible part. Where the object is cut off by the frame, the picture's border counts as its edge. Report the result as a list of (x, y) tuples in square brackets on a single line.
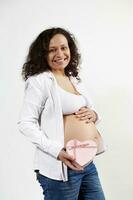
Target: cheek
[(49, 58), (68, 53)]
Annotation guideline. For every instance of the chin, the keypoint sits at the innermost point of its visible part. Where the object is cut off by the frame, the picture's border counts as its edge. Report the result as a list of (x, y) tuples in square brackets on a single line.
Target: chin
[(59, 67)]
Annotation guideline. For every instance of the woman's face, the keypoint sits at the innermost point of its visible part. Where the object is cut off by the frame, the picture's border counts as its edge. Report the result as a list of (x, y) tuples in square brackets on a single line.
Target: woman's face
[(59, 53)]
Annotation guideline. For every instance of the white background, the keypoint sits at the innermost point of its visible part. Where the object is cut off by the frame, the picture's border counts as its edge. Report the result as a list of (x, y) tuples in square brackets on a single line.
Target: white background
[(104, 30)]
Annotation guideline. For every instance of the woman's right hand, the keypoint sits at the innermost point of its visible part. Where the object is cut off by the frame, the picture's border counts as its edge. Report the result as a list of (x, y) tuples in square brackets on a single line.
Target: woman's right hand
[(69, 161)]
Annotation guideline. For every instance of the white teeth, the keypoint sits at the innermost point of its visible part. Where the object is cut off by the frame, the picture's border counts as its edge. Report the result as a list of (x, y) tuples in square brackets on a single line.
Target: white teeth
[(59, 60)]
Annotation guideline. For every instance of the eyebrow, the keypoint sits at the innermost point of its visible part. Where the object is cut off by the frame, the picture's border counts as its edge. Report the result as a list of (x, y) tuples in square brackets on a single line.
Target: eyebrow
[(60, 45)]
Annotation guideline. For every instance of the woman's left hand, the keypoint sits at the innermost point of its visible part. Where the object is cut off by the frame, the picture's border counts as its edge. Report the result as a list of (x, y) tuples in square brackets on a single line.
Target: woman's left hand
[(86, 114)]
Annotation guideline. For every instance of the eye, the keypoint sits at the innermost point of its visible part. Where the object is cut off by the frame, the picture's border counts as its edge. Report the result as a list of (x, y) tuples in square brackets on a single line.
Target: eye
[(51, 50), (64, 48)]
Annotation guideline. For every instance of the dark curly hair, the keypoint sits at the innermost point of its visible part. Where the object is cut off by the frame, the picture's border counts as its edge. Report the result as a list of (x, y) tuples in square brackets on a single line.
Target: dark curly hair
[(36, 61)]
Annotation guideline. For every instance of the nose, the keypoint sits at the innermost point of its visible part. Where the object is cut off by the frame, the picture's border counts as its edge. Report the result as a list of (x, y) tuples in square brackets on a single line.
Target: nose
[(59, 53)]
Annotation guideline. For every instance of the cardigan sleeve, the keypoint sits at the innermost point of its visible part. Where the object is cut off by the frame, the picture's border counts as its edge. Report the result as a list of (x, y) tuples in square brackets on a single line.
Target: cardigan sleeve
[(28, 123)]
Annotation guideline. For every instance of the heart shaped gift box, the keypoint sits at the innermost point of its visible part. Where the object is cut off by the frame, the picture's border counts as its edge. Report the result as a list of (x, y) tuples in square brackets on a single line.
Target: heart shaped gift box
[(83, 152)]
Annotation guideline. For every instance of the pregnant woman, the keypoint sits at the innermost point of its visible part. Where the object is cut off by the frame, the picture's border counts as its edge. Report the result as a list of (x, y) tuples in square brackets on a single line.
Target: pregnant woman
[(56, 110)]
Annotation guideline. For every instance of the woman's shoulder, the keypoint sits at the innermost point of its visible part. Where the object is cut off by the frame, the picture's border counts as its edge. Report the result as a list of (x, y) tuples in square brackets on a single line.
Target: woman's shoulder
[(39, 77), (38, 80), (75, 80), (78, 82)]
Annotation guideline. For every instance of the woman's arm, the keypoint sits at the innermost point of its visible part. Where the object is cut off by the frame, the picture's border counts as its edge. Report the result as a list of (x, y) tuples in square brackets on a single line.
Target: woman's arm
[(33, 103), (88, 113)]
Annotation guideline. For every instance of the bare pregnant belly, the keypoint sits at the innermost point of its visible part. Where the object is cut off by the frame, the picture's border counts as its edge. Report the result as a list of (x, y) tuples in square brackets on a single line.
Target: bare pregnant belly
[(74, 128)]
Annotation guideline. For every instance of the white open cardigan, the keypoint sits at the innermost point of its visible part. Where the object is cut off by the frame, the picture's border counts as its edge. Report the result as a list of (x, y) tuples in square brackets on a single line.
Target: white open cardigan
[(41, 120)]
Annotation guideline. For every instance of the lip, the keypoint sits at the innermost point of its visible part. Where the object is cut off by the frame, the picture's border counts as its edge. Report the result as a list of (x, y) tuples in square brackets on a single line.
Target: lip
[(59, 60)]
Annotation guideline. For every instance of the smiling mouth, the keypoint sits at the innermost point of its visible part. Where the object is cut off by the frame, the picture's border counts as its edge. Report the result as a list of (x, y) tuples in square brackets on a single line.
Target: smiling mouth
[(60, 60)]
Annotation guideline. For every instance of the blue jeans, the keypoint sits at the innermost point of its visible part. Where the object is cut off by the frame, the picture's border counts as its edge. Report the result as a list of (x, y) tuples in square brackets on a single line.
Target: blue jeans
[(81, 185)]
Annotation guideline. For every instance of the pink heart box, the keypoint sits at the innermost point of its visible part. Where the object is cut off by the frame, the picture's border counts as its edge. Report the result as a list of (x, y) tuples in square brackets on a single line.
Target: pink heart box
[(83, 152)]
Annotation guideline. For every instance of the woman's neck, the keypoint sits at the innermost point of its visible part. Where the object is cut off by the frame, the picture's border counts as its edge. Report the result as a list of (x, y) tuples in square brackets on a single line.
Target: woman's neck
[(59, 74)]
